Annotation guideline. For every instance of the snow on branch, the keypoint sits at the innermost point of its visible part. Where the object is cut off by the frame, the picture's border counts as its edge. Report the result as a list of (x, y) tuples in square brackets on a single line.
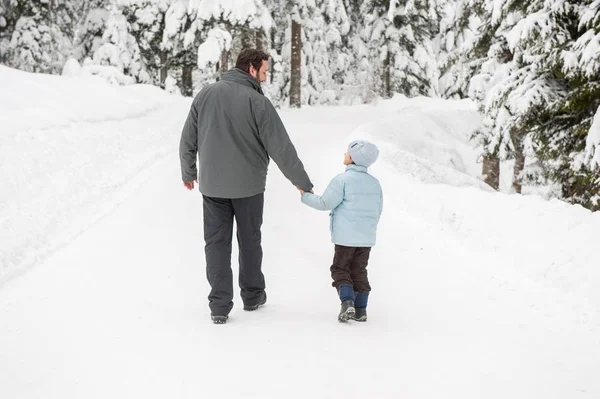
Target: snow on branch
[(209, 52)]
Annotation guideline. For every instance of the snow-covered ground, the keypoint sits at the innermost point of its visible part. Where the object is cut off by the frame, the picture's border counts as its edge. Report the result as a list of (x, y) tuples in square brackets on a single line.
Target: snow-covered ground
[(70, 150), (476, 294)]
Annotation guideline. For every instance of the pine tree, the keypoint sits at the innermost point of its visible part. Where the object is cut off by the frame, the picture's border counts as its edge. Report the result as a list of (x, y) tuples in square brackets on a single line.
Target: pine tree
[(120, 50), (337, 68), (315, 52), (181, 40), (590, 20), (490, 61), (458, 33), (90, 28), (209, 25), (400, 36), (562, 134), (41, 37), (516, 80), (146, 20), (279, 48), (349, 66), (8, 19)]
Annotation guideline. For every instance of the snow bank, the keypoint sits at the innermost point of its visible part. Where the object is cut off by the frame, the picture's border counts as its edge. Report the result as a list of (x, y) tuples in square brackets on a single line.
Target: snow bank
[(35, 101), (428, 139), (70, 147)]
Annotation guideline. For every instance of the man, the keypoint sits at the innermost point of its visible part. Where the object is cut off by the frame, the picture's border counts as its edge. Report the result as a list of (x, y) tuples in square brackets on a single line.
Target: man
[(234, 129)]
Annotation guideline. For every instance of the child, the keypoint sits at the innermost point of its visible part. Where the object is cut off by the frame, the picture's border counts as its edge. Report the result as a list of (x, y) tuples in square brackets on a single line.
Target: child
[(356, 201)]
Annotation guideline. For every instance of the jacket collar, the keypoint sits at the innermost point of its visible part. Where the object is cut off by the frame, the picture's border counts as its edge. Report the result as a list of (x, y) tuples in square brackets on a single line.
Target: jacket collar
[(356, 168), (238, 76)]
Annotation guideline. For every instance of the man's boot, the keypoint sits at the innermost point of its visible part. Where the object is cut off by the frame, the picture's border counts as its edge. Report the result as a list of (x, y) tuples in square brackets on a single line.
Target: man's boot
[(219, 319), (262, 300)]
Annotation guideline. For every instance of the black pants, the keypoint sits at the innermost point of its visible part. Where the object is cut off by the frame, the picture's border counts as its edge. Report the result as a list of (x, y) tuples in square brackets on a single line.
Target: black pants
[(350, 267), (218, 231)]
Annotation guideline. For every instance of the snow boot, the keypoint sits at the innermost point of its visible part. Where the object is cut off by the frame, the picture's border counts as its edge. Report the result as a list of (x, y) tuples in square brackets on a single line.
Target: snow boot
[(347, 311), (219, 319), (261, 301), (346, 293), (360, 304), (360, 314)]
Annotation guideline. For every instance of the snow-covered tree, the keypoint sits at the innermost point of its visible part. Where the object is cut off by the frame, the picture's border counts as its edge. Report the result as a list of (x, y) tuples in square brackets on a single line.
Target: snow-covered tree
[(120, 49), (90, 28), (592, 147), (189, 24), (537, 91), (277, 45), (516, 81), (377, 27), (41, 37), (355, 75), (345, 56), (8, 19), (323, 54), (400, 37), (459, 25), (291, 35), (146, 19), (564, 137)]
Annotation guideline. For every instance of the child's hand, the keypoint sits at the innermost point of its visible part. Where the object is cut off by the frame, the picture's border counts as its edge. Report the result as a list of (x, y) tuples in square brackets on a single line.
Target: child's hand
[(302, 191)]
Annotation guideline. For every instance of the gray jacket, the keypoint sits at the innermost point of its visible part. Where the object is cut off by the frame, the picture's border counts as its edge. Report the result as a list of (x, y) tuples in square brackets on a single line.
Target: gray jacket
[(234, 129)]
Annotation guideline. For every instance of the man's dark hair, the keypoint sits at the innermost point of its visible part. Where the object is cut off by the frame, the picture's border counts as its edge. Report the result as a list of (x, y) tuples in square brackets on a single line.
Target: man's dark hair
[(251, 56)]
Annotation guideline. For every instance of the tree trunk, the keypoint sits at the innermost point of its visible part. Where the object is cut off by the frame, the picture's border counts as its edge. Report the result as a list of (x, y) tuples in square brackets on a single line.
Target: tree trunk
[(260, 39), (248, 38), (187, 88), (387, 79), (519, 161), (295, 77), (224, 63), (164, 68), (491, 170), (275, 46)]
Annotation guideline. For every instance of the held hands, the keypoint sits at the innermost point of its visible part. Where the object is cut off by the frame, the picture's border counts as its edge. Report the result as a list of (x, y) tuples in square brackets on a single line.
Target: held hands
[(189, 184), (302, 191)]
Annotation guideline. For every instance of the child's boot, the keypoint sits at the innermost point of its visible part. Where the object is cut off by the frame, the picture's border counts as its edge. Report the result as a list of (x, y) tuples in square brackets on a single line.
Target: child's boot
[(347, 297), (360, 305)]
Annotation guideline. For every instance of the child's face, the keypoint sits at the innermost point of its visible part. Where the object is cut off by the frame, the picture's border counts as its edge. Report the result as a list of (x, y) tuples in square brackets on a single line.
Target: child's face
[(347, 159)]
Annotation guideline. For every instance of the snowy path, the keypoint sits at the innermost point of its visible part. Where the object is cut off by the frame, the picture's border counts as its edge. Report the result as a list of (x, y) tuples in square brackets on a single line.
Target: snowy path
[(121, 311)]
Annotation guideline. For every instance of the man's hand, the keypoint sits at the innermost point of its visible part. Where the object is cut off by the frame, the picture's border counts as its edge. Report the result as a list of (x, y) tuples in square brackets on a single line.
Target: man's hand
[(189, 184), (302, 191)]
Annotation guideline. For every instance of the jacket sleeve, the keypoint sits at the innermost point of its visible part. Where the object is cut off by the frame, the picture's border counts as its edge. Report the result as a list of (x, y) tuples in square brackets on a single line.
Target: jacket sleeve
[(279, 146), (331, 198), (381, 202), (188, 146)]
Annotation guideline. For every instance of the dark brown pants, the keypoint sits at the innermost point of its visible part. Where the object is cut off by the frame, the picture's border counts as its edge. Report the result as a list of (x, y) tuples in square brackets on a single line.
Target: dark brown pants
[(350, 267)]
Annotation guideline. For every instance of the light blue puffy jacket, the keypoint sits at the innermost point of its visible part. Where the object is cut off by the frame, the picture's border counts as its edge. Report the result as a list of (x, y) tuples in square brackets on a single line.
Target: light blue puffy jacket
[(356, 201)]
